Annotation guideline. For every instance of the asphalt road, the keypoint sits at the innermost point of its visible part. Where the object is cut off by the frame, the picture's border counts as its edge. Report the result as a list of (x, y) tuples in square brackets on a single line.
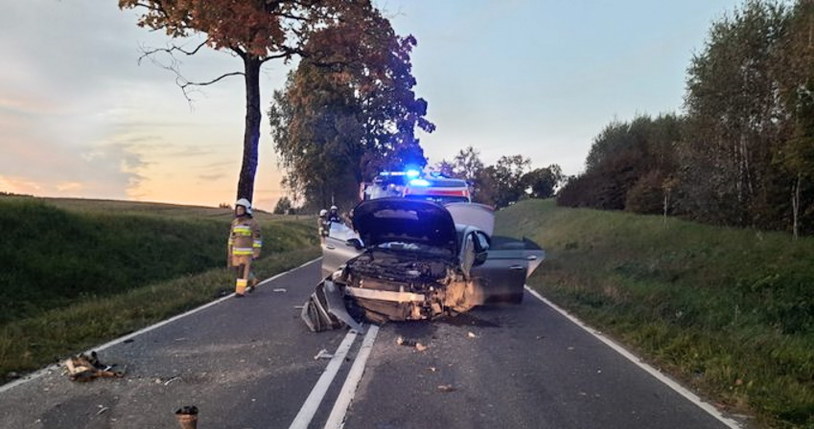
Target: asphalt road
[(250, 363)]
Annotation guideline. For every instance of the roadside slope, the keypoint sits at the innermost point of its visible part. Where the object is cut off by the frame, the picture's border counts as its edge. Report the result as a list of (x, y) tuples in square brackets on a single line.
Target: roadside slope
[(81, 272), (728, 311)]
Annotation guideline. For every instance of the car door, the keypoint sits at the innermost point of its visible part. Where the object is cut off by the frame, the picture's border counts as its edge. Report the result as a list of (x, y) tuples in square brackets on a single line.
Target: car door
[(508, 263), (341, 245)]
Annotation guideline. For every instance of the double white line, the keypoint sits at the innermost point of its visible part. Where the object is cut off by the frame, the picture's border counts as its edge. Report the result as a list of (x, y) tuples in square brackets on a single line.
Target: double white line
[(340, 408)]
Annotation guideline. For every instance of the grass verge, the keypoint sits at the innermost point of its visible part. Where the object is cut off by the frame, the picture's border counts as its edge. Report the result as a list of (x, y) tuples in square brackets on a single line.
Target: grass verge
[(58, 252), (32, 343), (730, 312)]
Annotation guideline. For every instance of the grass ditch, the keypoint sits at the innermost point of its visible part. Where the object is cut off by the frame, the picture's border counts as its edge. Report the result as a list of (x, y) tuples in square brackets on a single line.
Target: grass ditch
[(58, 252), (730, 312), (31, 343), (78, 273)]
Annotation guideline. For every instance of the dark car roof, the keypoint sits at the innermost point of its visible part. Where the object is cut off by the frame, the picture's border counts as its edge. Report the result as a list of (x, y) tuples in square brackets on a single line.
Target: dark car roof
[(386, 220)]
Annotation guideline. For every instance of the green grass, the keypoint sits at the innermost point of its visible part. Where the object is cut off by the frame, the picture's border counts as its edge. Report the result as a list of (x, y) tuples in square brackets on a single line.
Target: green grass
[(729, 312), (57, 252), (81, 272), (32, 343)]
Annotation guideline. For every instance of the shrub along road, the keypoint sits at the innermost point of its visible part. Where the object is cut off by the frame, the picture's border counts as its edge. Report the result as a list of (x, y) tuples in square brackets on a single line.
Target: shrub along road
[(249, 363)]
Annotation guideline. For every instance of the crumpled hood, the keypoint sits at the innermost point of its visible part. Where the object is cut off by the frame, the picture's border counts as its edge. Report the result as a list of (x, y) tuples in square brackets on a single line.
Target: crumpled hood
[(387, 220)]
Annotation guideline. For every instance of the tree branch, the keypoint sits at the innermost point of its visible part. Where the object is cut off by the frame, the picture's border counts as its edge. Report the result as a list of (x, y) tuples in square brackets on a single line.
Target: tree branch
[(183, 83), (170, 51)]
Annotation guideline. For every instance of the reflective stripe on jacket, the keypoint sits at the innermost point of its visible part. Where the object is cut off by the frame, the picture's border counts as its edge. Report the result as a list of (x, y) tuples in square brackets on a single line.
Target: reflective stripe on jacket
[(244, 237)]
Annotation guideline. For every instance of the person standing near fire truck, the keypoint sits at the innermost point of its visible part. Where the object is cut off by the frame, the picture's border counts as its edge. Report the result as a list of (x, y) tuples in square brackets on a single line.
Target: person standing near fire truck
[(245, 243)]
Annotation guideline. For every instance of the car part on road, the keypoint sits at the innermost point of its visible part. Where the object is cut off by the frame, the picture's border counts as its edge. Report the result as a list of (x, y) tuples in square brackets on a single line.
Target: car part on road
[(187, 417), (86, 368)]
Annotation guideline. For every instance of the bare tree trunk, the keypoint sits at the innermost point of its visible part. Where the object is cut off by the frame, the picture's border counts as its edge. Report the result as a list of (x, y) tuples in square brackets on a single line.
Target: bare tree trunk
[(251, 134), (795, 205)]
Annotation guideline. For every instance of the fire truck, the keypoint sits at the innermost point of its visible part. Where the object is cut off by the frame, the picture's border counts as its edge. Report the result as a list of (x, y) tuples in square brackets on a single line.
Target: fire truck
[(414, 184)]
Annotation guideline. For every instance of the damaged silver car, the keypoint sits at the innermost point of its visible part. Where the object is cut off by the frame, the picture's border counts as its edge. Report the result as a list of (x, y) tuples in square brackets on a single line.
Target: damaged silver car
[(413, 260)]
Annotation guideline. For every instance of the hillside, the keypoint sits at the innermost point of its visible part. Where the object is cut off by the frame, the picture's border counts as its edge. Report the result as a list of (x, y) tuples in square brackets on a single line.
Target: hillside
[(728, 311)]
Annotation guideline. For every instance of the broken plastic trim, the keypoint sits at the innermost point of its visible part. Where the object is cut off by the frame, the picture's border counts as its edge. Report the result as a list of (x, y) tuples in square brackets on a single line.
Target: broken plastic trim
[(384, 295), (325, 310)]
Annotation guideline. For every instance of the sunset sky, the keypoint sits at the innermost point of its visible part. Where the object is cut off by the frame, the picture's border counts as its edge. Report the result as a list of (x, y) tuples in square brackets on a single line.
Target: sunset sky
[(79, 117)]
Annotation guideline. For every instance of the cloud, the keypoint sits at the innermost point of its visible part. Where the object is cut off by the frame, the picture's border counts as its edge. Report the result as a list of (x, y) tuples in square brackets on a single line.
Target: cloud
[(19, 185), (211, 177)]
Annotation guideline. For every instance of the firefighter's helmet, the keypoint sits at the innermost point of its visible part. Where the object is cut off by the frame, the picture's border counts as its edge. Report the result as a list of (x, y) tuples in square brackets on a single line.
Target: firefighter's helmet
[(323, 213), (246, 204), (334, 208)]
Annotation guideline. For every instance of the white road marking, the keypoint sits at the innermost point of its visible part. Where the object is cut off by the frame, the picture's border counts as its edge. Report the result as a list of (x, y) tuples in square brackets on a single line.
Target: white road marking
[(56, 367), (337, 418), (311, 404), (681, 390)]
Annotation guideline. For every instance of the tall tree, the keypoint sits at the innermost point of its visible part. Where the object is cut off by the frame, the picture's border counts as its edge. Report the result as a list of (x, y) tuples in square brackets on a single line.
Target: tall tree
[(735, 116), (796, 156), (351, 111), (256, 31)]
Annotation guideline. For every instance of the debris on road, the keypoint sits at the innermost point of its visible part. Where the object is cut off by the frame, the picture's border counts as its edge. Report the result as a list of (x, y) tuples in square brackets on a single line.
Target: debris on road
[(446, 388), (299, 307), (86, 368), (171, 379), (433, 369), (411, 343), (323, 354), (404, 342), (280, 289), (471, 335), (187, 417)]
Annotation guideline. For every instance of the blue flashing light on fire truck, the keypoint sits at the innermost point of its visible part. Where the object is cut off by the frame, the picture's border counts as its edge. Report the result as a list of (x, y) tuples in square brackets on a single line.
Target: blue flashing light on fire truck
[(413, 184)]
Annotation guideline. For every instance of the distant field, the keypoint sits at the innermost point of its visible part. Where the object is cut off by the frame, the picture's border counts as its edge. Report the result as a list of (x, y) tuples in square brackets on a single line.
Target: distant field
[(728, 311), (70, 262)]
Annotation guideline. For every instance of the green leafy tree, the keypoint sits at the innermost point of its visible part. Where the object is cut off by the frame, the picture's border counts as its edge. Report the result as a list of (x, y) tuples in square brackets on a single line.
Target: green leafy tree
[(283, 206), (626, 156), (735, 117), (501, 184), (796, 156), (542, 182), (350, 112)]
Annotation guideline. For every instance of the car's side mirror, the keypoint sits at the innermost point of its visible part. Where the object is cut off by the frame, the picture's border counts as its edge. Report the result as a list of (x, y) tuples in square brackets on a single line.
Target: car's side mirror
[(481, 242), (355, 243), (480, 258)]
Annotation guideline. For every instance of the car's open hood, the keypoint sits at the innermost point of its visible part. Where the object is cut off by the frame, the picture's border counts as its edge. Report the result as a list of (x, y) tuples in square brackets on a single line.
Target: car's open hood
[(387, 220), (480, 216)]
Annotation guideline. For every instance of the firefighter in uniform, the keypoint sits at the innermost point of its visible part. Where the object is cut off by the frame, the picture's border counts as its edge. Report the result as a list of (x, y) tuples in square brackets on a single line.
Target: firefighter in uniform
[(323, 225), (244, 246), (333, 216)]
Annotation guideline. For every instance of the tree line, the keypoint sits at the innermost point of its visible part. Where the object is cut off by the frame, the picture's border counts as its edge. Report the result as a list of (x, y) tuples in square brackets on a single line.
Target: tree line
[(742, 151), (509, 180)]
